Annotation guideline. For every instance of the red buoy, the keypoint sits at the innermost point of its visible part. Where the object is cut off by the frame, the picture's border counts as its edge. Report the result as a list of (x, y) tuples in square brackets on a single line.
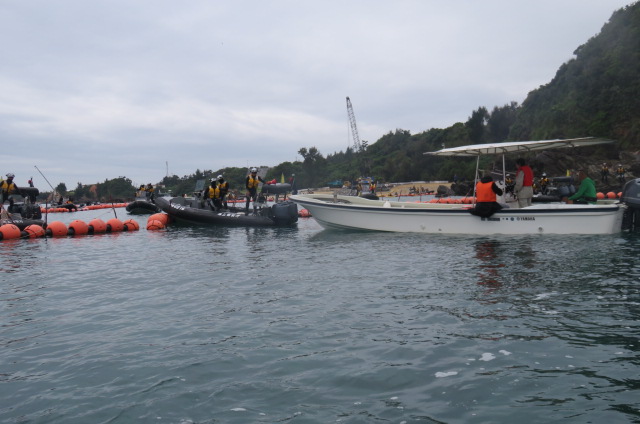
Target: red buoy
[(9, 231), (34, 231), (131, 225), (611, 195), (78, 228), (114, 225), (599, 195), (154, 224), (97, 225), (56, 229)]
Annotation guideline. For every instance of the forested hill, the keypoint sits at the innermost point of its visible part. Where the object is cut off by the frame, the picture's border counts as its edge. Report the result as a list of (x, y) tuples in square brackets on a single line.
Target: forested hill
[(597, 93)]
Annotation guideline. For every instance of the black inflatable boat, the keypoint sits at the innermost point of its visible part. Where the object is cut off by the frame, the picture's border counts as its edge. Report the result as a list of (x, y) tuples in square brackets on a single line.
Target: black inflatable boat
[(195, 210)]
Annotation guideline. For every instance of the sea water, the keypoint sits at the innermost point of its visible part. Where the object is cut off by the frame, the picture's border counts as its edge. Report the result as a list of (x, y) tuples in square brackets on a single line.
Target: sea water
[(196, 324)]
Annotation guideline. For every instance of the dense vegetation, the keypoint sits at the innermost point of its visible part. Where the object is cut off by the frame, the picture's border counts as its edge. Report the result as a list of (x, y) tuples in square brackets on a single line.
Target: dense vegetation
[(597, 93)]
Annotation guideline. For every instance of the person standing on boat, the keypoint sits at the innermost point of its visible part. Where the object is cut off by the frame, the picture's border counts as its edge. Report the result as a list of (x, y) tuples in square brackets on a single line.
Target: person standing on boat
[(9, 188), (212, 195), (486, 197), (149, 190), (524, 183), (251, 183), (586, 192), (223, 187)]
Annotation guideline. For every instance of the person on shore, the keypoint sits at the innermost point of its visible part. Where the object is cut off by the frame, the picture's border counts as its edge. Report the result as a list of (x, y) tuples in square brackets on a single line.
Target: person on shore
[(620, 171), (486, 197), (223, 187), (586, 192), (9, 189), (251, 184), (604, 173), (524, 183)]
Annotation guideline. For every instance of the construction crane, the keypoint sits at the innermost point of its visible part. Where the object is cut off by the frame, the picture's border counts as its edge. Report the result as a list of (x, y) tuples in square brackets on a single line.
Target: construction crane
[(358, 147)]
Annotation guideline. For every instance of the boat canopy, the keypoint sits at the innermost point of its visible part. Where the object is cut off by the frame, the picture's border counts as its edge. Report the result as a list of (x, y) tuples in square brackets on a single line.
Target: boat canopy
[(518, 146)]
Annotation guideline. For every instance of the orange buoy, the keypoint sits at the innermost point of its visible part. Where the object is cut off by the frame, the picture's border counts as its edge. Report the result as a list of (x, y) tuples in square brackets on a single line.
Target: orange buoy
[(9, 231), (162, 217), (599, 195), (78, 228), (56, 229), (97, 226), (611, 195), (34, 231), (154, 224), (304, 213), (131, 225), (114, 225), (619, 195)]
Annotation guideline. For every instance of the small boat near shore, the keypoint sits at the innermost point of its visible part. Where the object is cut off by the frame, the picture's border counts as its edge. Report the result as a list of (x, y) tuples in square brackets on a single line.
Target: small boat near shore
[(195, 210), (345, 212)]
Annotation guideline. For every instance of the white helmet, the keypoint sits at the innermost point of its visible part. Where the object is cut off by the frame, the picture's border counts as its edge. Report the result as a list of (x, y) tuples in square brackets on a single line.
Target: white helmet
[(220, 178), (10, 175), (254, 170), (544, 174)]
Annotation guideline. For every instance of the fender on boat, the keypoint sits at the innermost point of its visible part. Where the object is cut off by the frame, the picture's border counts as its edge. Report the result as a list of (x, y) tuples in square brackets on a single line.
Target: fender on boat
[(279, 188)]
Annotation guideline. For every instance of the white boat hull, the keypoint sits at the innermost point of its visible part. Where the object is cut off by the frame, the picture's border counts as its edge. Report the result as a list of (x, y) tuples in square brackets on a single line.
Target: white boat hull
[(346, 212)]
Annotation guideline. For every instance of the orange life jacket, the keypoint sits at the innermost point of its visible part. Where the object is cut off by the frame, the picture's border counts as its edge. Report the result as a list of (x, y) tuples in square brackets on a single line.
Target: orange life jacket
[(484, 192)]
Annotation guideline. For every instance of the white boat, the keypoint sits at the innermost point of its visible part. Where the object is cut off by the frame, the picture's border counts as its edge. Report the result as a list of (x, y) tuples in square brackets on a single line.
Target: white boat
[(347, 212)]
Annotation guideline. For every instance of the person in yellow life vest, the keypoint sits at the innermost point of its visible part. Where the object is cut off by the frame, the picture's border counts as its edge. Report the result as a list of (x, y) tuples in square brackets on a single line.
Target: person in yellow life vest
[(149, 189), (486, 198), (212, 195), (223, 187), (9, 188), (544, 184), (251, 183), (372, 187), (620, 171)]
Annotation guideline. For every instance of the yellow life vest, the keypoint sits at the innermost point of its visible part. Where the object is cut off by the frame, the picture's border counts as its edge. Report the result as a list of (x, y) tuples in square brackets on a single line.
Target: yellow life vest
[(9, 188), (213, 193), (224, 187), (252, 182)]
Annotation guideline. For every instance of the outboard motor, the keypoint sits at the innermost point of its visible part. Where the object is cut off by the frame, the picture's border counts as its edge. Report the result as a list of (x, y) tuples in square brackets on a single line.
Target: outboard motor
[(631, 198), (285, 213)]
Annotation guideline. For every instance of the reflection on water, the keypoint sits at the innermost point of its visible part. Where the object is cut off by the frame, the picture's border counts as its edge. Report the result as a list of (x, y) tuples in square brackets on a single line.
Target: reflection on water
[(204, 324)]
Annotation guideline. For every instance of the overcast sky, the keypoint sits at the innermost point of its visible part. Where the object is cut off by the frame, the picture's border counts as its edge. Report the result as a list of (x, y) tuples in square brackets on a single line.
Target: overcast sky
[(94, 90)]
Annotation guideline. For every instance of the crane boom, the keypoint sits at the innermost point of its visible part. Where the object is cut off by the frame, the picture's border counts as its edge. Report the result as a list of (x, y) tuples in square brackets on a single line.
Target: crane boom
[(354, 128)]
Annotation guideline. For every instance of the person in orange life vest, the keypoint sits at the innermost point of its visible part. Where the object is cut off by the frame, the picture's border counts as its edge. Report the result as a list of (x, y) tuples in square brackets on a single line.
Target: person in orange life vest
[(251, 184), (9, 188), (486, 199), (524, 183)]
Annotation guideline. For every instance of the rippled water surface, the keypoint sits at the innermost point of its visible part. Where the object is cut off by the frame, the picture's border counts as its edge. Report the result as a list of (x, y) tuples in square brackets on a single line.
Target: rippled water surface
[(302, 325)]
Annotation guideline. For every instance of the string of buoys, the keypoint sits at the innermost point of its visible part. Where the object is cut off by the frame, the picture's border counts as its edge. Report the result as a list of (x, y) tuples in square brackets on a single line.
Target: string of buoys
[(75, 228), (83, 208), (609, 195)]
